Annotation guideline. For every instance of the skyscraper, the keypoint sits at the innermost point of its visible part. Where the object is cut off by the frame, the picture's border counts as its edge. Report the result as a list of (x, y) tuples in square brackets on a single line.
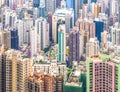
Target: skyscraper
[(76, 5), (99, 27), (49, 20), (86, 25), (42, 28), (35, 45), (103, 73), (24, 27), (115, 34), (75, 45), (14, 70), (14, 39), (62, 15), (6, 40), (104, 38), (61, 43)]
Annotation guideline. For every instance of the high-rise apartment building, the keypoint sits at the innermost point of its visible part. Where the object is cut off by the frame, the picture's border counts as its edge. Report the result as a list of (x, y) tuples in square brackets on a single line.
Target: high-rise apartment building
[(14, 71), (104, 38), (115, 34), (92, 47), (42, 28), (75, 45), (103, 73), (24, 27), (35, 45), (6, 39), (62, 43), (87, 25), (8, 18), (41, 82), (39, 36)]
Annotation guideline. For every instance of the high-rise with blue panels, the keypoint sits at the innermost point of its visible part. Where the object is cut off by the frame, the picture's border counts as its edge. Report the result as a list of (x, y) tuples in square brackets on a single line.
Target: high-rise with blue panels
[(99, 27), (14, 39), (76, 5), (36, 3)]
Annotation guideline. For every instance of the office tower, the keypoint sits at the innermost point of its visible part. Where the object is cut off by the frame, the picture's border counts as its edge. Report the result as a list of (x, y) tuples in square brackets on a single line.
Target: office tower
[(62, 15), (14, 39), (92, 47), (87, 25), (58, 69), (42, 28), (115, 34), (75, 45), (104, 39), (99, 27), (14, 70), (50, 5), (6, 40), (103, 73), (36, 3), (49, 20), (61, 43)]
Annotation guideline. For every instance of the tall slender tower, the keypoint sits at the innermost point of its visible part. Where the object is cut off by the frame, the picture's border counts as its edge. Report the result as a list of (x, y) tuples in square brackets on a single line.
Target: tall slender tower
[(61, 43), (119, 11)]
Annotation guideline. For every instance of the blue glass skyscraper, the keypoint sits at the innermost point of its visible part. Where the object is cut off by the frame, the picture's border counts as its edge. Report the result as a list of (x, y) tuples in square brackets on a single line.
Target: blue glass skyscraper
[(99, 27), (14, 39)]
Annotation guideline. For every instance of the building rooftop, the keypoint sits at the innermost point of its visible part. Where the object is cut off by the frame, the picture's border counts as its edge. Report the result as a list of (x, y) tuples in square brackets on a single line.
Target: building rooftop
[(73, 84), (63, 12)]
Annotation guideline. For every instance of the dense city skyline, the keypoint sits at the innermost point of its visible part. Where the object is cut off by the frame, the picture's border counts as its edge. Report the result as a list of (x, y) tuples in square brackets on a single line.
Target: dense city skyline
[(59, 45)]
